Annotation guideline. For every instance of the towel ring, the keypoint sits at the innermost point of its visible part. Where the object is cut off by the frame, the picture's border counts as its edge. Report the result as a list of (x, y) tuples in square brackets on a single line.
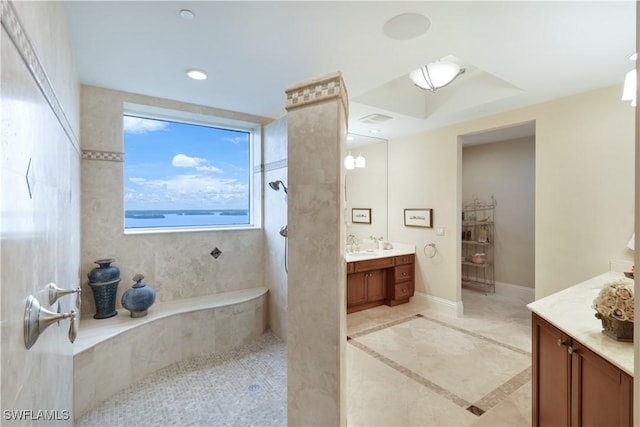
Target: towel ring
[(432, 251)]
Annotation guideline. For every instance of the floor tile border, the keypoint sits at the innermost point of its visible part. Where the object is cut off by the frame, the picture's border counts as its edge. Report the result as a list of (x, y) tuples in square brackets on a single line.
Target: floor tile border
[(487, 402), (411, 374), (501, 392), (475, 335), (381, 327)]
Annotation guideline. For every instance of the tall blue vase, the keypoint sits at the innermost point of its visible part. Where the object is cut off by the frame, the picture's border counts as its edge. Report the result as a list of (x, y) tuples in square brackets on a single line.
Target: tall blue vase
[(104, 281)]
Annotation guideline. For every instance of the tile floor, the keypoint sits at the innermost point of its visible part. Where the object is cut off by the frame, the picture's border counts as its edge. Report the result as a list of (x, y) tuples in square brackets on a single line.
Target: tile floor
[(406, 366), (246, 386), (410, 366)]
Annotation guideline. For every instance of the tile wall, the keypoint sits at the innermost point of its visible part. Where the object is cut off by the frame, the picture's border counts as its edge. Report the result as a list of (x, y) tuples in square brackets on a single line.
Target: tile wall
[(39, 208), (176, 265), (317, 130), (275, 216)]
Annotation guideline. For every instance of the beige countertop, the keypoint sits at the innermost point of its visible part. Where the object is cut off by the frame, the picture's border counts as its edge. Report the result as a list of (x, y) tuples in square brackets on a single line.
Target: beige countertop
[(397, 250), (570, 311)]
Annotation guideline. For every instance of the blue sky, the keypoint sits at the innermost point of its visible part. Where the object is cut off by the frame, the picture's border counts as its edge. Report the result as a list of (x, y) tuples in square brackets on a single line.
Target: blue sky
[(171, 165)]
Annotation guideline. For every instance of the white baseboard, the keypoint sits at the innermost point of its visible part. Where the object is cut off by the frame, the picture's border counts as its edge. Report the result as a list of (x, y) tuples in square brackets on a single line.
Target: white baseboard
[(440, 305), (522, 292)]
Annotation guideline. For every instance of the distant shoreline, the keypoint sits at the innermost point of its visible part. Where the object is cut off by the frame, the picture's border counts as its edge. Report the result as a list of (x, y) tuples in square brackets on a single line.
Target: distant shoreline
[(159, 214)]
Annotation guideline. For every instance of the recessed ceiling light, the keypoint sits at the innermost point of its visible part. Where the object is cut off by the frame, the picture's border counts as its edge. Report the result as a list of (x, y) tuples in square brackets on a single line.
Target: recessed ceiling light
[(406, 26), (186, 14), (375, 131), (197, 74)]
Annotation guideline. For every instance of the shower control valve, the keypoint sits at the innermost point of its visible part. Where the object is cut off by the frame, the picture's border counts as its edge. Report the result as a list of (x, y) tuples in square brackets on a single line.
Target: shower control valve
[(37, 319)]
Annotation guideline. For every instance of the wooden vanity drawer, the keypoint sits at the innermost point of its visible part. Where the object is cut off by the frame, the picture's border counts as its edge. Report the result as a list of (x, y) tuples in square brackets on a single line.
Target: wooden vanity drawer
[(402, 291), (402, 273), (404, 259), (372, 264)]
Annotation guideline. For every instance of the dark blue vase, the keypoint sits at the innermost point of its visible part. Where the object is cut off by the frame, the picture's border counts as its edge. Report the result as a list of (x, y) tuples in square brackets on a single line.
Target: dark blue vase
[(138, 298), (104, 282)]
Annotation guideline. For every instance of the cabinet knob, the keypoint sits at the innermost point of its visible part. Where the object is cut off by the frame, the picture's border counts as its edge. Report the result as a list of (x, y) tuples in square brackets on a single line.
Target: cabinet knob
[(561, 343), (572, 350), (404, 273)]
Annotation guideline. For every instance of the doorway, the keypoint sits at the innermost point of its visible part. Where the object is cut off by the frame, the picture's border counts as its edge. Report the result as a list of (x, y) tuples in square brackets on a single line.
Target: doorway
[(499, 165)]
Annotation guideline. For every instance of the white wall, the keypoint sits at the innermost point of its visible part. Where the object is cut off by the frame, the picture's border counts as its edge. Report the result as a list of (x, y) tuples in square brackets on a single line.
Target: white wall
[(506, 170), (584, 202)]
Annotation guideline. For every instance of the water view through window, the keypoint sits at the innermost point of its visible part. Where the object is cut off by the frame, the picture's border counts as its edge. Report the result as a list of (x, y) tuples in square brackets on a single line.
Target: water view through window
[(184, 175)]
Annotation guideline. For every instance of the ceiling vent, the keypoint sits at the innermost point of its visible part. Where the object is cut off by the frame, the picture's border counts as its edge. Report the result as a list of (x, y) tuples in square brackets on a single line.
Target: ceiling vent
[(375, 118)]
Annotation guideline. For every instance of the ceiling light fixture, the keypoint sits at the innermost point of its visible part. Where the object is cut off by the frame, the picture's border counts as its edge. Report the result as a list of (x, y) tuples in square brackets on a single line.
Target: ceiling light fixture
[(351, 162), (197, 74), (435, 75), (186, 14), (630, 84)]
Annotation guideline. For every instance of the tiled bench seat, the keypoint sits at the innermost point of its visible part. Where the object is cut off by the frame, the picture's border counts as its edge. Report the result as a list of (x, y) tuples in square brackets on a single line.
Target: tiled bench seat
[(111, 354)]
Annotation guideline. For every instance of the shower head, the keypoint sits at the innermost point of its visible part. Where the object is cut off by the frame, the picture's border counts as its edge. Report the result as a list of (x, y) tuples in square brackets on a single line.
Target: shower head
[(276, 186)]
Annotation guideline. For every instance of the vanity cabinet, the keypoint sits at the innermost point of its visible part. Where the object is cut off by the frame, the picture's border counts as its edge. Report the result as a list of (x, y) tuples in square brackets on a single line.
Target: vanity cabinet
[(386, 280), (401, 280), (366, 288), (573, 386)]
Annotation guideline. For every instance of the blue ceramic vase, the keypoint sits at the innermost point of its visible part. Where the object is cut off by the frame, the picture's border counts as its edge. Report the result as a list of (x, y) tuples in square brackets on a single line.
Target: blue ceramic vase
[(138, 298), (104, 281)]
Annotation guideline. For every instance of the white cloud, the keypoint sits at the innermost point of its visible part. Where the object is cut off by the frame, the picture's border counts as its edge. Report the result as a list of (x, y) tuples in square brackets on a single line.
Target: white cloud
[(139, 125), (208, 169), (201, 165), (184, 161), (189, 190), (236, 140)]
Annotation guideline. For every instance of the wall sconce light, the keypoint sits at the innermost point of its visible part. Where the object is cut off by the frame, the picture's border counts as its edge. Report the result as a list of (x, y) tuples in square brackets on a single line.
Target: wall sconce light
[(351, 162), (435, 75)]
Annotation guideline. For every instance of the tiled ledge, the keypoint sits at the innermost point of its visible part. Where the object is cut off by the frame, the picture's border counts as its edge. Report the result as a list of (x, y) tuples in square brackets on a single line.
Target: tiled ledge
[(111, 354), (94, 331)]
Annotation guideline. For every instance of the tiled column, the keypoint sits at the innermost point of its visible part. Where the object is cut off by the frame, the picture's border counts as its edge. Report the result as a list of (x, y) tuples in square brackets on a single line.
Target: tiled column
[(317, 128)]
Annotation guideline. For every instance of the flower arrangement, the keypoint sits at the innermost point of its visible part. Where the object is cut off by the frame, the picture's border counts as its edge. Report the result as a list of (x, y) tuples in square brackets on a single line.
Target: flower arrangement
[(616, 300)]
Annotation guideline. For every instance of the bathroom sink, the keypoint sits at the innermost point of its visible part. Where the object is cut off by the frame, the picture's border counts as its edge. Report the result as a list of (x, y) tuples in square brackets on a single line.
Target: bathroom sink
[(361, 254), (365, 254)]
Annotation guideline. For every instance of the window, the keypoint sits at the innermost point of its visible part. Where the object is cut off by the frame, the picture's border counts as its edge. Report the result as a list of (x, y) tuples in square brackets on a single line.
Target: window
[(185, 175)]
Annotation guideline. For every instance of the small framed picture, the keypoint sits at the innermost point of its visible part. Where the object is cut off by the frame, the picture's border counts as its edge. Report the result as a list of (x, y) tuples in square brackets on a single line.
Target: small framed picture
[(361, 216), (418, 218)]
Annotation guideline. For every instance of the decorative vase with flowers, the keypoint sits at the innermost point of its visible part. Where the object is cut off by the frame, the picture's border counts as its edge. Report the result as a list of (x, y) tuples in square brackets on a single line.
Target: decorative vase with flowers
[(615, 308)]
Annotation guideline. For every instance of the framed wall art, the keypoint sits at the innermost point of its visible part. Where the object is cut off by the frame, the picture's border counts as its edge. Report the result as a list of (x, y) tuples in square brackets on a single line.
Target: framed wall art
[(418, 218), (361, 216)]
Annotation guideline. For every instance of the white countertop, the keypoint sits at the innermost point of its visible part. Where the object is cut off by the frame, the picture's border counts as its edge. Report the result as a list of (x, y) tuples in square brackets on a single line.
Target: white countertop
[(398, 249), (570, 311)]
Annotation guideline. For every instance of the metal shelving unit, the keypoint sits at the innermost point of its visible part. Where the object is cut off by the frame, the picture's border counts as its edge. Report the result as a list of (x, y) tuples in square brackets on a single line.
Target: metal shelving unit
[(478, 238)]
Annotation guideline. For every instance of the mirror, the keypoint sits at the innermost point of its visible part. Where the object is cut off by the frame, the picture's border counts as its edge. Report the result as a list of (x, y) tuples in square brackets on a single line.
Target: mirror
[(366, 188)]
